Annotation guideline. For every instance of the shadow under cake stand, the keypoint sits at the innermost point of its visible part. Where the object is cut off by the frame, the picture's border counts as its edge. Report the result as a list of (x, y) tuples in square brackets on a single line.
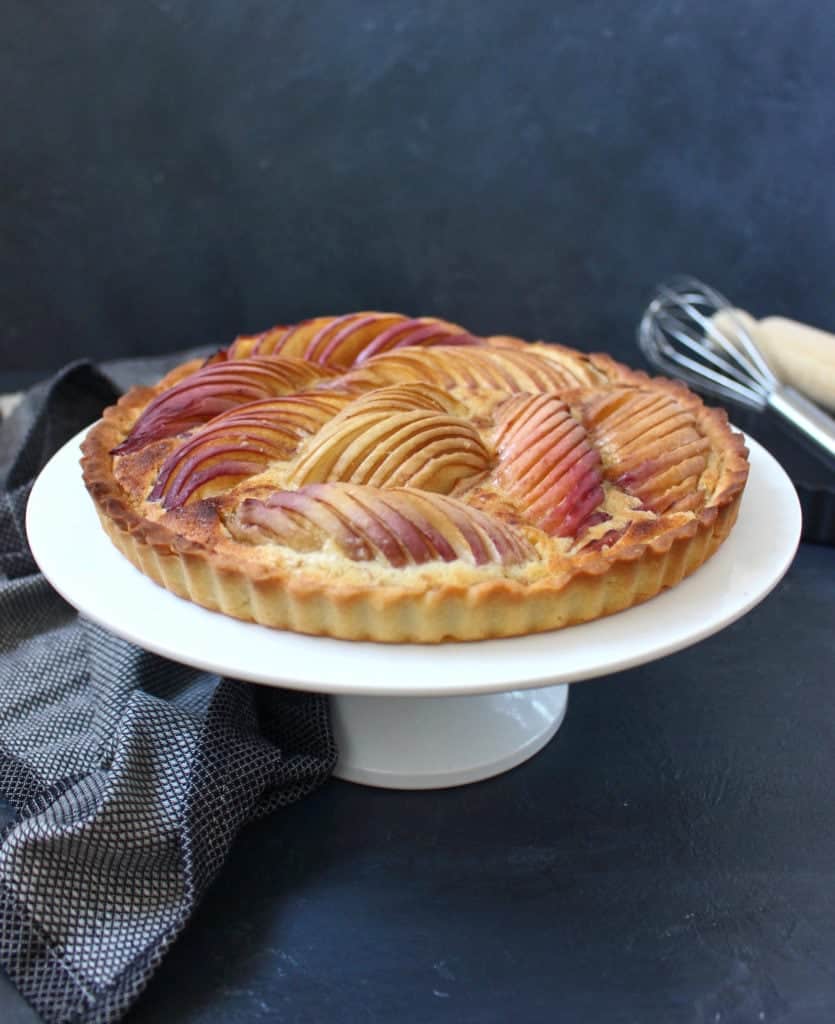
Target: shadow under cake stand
[(412, 716)]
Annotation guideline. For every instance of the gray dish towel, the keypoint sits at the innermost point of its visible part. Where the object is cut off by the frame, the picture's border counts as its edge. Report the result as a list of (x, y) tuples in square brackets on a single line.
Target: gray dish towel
[(126, 776)]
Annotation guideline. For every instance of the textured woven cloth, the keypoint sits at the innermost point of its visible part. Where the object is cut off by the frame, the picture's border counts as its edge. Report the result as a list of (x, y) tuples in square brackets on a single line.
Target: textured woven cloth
[(126, 776)]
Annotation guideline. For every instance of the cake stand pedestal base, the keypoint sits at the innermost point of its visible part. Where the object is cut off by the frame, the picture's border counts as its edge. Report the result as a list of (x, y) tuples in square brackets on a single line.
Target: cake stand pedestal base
[(415, 716), (436, 742)]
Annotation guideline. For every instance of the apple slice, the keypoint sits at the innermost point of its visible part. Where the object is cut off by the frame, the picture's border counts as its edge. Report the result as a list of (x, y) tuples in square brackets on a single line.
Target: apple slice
[(401, 398), (480, 367), (287, 340), (547, 464), (267, 343), (337, 343), (651, 447), (241, 442), (400, 435), (418, 448), (352, 339), (396, 526), (326, 339), (343, 340), (425, 332), (215, 388), (577, 369), (529, 370)]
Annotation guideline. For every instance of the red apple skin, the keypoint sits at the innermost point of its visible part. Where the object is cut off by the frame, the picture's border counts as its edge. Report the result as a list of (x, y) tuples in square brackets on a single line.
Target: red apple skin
[(319, 517), (394, 525), (339, 344), (183, 473), (199, 477), (606, 541), (421, 333), (214, 389), (438, 545), (398, 334), (346, 340), (654, 449), (366, 524), (547, 463), (251, 436), (417, 540)]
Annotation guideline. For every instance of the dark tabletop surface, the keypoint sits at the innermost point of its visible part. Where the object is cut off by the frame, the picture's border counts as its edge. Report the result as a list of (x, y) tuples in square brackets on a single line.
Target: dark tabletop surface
[(668, 857)]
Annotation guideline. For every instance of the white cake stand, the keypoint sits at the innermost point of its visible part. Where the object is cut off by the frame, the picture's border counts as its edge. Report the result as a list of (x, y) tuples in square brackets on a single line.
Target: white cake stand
[(411, 716)]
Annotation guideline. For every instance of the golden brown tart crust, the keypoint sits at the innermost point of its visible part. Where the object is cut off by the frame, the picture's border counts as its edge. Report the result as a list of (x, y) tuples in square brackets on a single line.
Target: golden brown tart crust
[(375, 477)]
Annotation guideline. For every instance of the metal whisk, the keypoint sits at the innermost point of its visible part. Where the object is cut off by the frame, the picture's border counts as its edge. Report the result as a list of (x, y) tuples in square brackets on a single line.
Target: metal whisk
[(678, 335)]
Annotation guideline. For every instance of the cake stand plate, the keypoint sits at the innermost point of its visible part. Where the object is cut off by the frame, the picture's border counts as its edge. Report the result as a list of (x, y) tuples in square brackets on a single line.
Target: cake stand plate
[(415, 716)]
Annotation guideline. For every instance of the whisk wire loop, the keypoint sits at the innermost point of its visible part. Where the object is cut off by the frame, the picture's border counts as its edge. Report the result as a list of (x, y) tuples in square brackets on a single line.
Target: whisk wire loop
[(740, 347), (678, 333), (696, 345)]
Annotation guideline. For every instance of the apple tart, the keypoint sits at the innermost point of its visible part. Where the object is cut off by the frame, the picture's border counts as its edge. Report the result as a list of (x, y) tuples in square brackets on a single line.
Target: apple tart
[(377, 477)]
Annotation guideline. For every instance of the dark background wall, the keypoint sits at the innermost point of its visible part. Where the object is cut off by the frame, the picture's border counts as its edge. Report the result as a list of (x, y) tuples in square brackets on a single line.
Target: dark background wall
[(173, 172)]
